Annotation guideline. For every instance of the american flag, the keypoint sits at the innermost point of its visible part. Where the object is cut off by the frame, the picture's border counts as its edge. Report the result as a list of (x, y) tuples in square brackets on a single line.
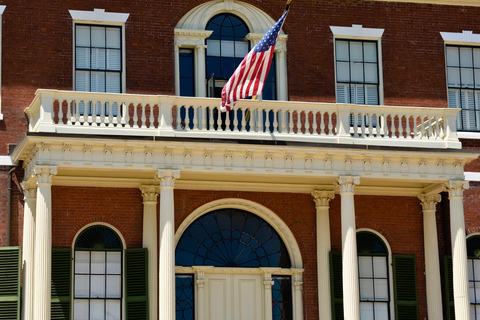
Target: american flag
[(249, 77)]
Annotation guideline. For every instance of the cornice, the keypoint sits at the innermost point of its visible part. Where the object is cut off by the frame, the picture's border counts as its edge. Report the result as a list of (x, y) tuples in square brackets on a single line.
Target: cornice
[(469, 3)]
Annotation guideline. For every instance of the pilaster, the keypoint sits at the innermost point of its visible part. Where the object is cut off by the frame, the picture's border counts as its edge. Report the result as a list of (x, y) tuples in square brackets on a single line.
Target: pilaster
[(298, 293)]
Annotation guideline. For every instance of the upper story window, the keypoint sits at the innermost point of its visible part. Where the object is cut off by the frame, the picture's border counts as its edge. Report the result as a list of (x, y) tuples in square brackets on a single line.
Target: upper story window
[(211, 41), (463, 77), (99, 57), (358, 65), (473, 252)]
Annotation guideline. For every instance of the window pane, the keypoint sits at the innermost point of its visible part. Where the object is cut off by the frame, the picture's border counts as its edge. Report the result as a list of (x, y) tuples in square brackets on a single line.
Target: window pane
[(365, 268), (366, 289), (97, 286), (98, 36), (80, 309), (82, 58), (97, 83), (114, 59), (372, 94), (227, 48), (82, 286), (476, 58), (476, 269), (356, 52), (453, 75), (341, 50), (452, 57), (241, 49), (366, 311), (357, 71), (466, 57), (380, 267), (343, 72), (477, 78), (213, 48), (114, 286), (471, 290), (371, 73), (98, 262), (381, 289), (113, 82), (470, 269), (477, 292), (114, 262), (82, 262), (82, 81), (82, 37), (184, 297), (113, 38), (113, 310), (381, 311), (467, 78), (98, 58), (97, 309), (370, 51)]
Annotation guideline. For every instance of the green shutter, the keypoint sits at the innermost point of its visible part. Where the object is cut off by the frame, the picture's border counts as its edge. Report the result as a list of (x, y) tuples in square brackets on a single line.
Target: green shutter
[(136, 284), (61, 284), (10, 266), (336, 286), (405, 282), (449, 288)]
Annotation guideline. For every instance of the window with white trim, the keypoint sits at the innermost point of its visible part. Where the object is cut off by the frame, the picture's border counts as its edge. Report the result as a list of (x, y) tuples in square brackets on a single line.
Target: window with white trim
[(473, 252), (358, 65)]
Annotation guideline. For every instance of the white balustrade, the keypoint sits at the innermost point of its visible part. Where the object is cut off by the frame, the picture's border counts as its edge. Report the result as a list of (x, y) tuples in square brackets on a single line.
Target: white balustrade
[(155, 115)]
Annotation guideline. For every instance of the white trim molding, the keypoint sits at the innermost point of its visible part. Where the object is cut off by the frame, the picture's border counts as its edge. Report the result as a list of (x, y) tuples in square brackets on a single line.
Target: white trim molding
[(472, 176), (6, 161), (462, 38), (357, 31), (466, 3)]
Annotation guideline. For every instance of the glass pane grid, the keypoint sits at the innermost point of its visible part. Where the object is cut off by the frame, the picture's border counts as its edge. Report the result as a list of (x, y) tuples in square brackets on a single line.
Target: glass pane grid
[(374, 288), (474, 287), (282, 298), (463, 77)]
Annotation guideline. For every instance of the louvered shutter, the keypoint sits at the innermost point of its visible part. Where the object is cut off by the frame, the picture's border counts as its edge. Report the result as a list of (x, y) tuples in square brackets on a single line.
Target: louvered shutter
[(10, 265), (342, 93), (449, 288), (136, 284), (61, 284), (405, 283), (468, 110), (336, 286), (372, 94)]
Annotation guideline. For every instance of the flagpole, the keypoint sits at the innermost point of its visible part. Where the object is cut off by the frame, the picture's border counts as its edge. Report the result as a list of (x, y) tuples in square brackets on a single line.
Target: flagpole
[(287, 6)]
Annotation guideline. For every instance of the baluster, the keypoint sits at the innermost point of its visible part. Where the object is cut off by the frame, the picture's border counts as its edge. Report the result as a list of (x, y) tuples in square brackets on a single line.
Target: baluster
[(314, 123), (203, 110), (267, 120), (362, 123), (60, 111), (178, 115), (321, 130), (299, 122), (79, 118), (110, 114), (135, 115), (415, 127), (400, 127), (151, 119), (330, 123), (143, 118), (87, 115), (290, 122), (259, 117), (441, 126), (355, 124), (422, 130), (126, 115), (243, 123), (407, 125), (195, 125), (392, 126), (372, 118), (69, 112), (100, 120), (211, 121), (276, 114)]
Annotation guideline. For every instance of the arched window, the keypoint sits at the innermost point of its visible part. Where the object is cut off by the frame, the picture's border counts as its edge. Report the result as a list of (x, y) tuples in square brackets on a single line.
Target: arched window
[(373, 277), (98, 269), (473, 252), (235, 251)]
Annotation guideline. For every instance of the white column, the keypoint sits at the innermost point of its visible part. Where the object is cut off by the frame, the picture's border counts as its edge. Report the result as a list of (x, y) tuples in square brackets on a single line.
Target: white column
[(267, 291), (150, 238), (432, 262), (351, 296), (322, 199), (298, 294), (30, 197), (177, 69), (200, 85), (281, 63), (43, 242), (166, 265), (459, 249)]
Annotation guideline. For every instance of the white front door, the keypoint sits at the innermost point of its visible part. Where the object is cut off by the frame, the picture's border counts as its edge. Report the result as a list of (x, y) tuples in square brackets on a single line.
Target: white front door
[(233, 297)]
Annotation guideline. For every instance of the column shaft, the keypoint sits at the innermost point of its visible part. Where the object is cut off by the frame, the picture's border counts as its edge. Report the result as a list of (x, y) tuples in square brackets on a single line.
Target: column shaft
[(432, 262), (30, 193), (166, 266)]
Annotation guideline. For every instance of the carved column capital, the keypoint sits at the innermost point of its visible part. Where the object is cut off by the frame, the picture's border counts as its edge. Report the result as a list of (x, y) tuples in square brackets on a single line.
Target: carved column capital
[(429, 201), (44, 174), (347, 183), (167, 177), (29, 190), (322, 197), (149, 193), (455, 188)]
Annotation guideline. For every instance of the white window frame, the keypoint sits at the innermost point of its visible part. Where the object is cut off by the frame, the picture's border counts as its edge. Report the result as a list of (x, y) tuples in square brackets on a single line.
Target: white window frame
[(103, 18), (468, 260), (2, 9), (464, 38), (358, 32), (190, 33), (390, 269)]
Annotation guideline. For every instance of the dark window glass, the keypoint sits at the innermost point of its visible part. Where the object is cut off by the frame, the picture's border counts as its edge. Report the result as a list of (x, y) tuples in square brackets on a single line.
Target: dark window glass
[(185, 302), (187, 82), (231, 238), (282, 298), (270, 89)]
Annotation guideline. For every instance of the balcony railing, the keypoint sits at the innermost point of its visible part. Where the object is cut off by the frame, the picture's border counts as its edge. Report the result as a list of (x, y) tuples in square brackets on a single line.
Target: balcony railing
[(71, 112)]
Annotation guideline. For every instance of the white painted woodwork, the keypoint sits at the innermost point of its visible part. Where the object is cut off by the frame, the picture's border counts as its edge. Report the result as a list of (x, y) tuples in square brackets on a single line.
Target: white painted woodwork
[(43, 242), (322, 199), (459, 249), (351, 296), (150, 238), (30, 197), (166, 266), (298, 294), (432, 261), (234, 297), (201, 73), (397, 126)]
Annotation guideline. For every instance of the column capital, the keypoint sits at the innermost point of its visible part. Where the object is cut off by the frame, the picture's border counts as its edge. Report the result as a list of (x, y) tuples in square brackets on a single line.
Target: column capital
[(347, 183), (167, 177), (455, 188), (29, 190), (201, 47), (149, 193), (44, 174), (322, 197), (429, 201)]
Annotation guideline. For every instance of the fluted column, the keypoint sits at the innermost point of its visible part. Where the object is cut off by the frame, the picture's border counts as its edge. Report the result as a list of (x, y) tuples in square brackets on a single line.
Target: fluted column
[(351, 295), (30, 197), (459, 249), (432, 262), (43, 242), (150, 238), (322, 200), (298, 293), (166, 266)]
